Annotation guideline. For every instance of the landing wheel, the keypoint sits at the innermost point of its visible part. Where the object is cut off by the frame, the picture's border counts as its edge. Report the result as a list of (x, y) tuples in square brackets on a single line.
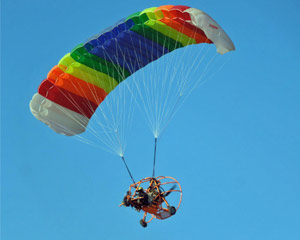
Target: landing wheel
[(143, 223), (172, 210)]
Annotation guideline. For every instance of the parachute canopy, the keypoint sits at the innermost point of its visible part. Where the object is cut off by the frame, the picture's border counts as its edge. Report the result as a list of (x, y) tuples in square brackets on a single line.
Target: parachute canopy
[(73, 89)]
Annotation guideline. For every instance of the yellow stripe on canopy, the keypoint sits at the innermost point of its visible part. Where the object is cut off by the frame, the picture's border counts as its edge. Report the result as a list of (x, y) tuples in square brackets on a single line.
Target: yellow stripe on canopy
[(170, 32), (149, 12), (78, 70)]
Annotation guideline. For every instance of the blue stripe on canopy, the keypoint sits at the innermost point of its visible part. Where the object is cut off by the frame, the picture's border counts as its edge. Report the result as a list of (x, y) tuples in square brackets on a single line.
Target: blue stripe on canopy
[(125, 48)]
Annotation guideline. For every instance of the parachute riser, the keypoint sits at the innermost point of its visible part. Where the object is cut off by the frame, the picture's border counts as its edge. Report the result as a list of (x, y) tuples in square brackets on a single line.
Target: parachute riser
[(122, 157), (154, 160)]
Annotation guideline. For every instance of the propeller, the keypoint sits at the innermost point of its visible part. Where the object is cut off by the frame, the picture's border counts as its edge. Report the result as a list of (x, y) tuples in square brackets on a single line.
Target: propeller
[(170, 190)]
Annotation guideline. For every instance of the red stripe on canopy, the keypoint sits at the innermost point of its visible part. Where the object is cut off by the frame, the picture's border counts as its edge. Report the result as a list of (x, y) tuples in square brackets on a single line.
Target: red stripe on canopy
[(67, 99)]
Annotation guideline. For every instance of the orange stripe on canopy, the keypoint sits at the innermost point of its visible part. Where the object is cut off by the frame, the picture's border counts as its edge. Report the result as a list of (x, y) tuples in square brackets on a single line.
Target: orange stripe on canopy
[(165, 10), (76, 85), (175, 18), (186, 28)]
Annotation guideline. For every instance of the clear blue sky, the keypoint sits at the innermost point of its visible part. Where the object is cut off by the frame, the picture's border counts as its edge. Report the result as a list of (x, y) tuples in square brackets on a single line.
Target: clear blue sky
[(234, 146)]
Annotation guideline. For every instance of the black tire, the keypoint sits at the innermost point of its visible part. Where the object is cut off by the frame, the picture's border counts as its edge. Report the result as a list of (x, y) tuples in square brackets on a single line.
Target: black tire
[(126, 202), (143, 223), (172, 210)]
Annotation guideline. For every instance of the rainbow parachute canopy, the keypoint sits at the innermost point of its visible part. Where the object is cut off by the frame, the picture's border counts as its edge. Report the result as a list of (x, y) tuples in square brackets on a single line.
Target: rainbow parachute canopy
[(72, 91)]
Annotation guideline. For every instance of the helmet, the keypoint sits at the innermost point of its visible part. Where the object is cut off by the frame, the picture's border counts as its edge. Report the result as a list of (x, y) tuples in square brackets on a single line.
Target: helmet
[(140, 189)]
